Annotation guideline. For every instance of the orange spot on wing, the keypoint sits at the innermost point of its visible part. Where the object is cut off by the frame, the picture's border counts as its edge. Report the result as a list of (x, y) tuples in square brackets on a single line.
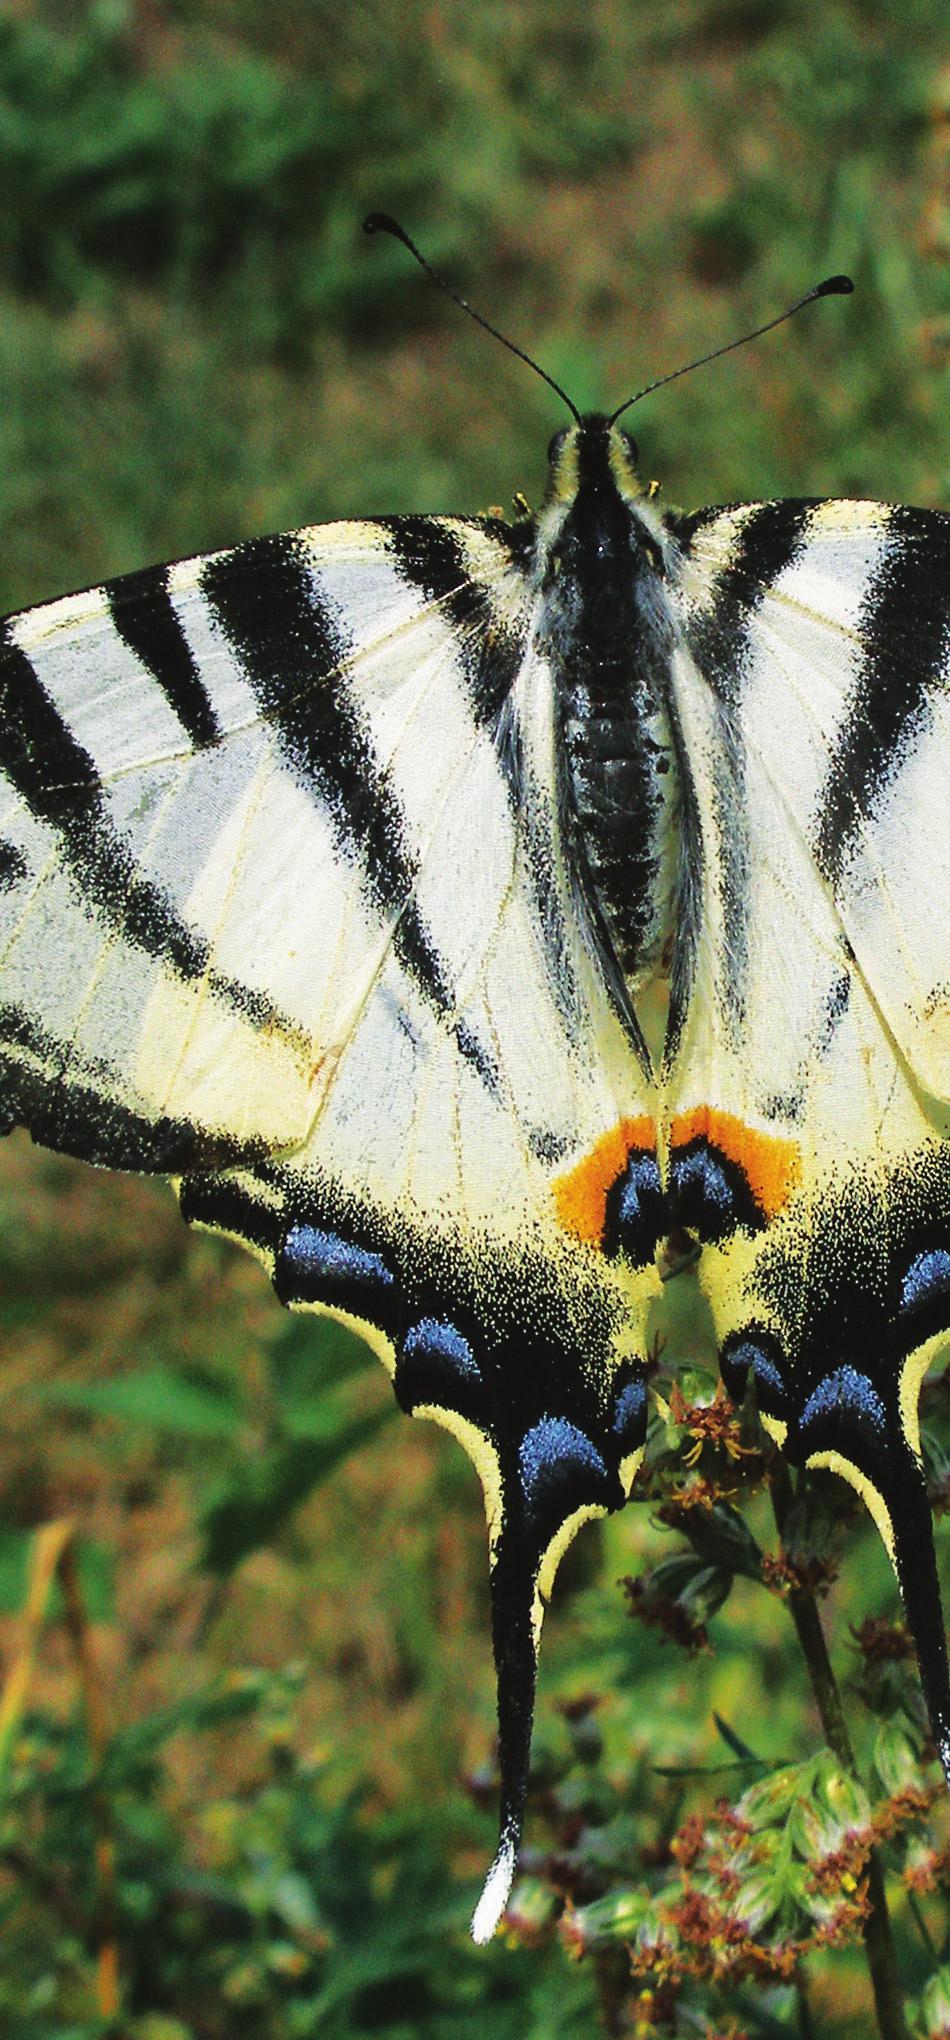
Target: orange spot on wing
[(580, 1196), (771, 1166)]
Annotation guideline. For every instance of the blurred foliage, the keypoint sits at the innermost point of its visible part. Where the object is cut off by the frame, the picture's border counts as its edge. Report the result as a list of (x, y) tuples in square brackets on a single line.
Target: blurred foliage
[(280, 1914), (196, 343)]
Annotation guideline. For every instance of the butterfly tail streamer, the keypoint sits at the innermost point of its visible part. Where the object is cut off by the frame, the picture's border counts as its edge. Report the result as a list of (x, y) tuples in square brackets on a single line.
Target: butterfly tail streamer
[(915, 1564), (515, 1631)]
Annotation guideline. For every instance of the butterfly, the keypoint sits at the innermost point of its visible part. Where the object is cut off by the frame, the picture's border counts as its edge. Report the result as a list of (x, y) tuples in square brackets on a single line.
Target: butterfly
[(342, 876)]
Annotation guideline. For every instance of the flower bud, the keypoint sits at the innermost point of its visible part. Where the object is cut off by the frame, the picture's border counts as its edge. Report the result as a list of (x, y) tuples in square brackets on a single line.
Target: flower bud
[(933, 2009), (606, 1921), (896, 1760)]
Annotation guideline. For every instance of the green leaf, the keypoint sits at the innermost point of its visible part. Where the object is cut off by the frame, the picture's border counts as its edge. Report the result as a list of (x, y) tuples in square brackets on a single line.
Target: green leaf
[(734, 1742), (309, 1358), (162, 1399)]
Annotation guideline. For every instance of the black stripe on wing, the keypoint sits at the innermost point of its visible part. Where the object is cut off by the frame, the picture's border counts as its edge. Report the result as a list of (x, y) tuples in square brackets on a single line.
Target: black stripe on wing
[(13, 867), (684, 525), (903, 630), (144, 615), (294, 651), (720, 638), (70, 1104), (771, 537), (430, 558), (58, 781)]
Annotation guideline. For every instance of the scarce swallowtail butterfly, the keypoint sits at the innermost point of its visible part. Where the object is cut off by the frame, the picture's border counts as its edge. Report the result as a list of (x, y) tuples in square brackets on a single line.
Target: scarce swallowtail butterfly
[(337, 873)]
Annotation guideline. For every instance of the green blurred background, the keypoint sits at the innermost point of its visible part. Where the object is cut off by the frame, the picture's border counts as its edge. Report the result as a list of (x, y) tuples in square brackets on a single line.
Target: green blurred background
[(286, 1582)]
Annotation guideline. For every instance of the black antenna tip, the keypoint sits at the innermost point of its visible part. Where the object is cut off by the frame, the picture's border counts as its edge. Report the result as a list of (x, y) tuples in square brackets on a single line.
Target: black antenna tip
[(835, 286), (383, 223)]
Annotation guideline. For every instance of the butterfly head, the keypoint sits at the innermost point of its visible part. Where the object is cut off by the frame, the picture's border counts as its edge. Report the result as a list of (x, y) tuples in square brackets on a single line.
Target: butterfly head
[(595, 454), (598, 526)]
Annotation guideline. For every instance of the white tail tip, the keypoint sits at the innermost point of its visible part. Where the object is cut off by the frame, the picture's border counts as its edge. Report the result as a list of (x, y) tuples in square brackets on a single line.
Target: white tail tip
[(943, 1752), (495, 1895)]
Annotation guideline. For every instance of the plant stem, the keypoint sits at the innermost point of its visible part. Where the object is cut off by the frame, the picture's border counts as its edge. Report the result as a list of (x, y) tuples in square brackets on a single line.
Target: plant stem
[(108, 1992), (923, 1930), (878, 1938), (806, 2030)]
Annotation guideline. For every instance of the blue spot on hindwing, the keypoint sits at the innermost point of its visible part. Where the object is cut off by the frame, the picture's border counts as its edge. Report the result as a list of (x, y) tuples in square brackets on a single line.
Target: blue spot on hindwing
[(846, 1393), (436, 1364), (559, 1465), (758, 1354), (702, 1172), (629, 1424), (439, 1340), (332, 1258), (318, 1266), (636, 1216), (641, 1189), (927, 1278), (710, 1193), (765, 1371)]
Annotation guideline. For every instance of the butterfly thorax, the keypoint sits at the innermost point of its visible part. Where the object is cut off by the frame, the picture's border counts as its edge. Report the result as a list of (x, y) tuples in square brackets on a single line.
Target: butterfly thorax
[(608, 633)]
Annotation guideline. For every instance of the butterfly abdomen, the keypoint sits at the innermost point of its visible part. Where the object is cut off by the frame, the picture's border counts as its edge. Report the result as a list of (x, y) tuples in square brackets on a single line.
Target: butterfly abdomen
[(608, 636)]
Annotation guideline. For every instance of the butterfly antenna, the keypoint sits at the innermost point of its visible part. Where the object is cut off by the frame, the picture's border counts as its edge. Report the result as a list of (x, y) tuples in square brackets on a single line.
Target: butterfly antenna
[(833, 286), (383, 223)]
